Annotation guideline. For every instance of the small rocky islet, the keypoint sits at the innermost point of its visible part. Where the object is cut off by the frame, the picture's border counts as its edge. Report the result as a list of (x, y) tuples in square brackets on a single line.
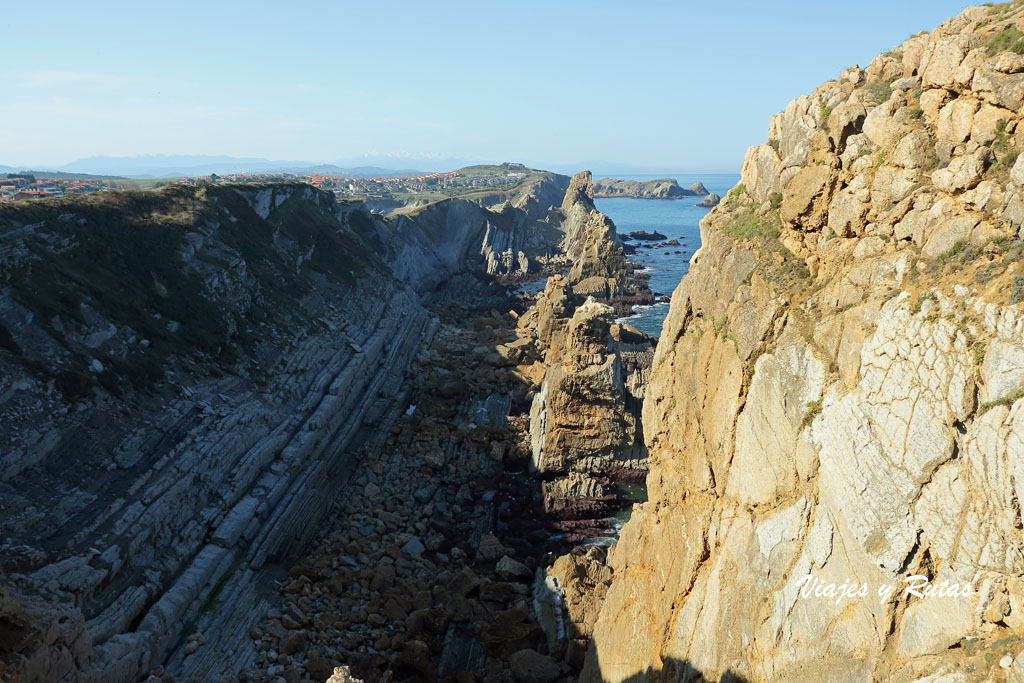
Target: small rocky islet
[(663, 188)]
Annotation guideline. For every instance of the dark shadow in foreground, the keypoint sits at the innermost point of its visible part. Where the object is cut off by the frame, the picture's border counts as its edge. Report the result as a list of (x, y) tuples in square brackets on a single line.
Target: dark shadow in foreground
[(678, 671)]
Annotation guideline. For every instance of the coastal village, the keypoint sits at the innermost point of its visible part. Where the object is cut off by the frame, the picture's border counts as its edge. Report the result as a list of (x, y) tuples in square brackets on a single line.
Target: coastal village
[(27, 185), (16, 187)]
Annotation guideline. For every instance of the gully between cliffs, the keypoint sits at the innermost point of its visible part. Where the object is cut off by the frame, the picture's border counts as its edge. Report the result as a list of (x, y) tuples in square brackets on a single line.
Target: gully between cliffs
[(383, 441)]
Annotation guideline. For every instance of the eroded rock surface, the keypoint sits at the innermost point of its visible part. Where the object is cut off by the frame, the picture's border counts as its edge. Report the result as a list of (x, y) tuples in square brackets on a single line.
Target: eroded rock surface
[(837, 392)]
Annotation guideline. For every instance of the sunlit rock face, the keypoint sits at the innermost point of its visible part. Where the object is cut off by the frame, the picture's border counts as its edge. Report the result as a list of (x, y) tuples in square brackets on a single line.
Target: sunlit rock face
[(836, 392)]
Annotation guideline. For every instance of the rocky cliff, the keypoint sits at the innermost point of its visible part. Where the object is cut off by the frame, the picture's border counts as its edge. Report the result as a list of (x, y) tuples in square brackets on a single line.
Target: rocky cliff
[(584, 421), (188, 378), (836, 395)]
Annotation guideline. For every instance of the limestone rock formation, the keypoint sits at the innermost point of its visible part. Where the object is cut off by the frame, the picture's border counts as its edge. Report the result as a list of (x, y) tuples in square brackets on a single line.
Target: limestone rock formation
[(589, 372), (598, 263), (836, 395), (578, 418), (698, 189), (569, 600)]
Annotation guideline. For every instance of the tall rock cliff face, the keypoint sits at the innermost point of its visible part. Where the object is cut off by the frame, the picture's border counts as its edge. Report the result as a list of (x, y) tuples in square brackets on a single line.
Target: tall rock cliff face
[(187, 379), (837, 391), (589, 372), (515, 240)]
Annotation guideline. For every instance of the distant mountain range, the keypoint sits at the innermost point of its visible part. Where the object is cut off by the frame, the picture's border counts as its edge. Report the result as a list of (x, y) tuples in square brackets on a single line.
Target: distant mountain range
[(4, 170), (172, 166), (175, 165)]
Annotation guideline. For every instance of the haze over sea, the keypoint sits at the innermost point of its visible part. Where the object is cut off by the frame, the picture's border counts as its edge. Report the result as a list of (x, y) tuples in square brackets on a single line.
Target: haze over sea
[(677, 219)]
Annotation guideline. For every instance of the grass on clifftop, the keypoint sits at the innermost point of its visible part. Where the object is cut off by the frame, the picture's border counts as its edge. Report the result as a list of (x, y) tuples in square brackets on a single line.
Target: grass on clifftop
[(1003, 9), (120, 255)]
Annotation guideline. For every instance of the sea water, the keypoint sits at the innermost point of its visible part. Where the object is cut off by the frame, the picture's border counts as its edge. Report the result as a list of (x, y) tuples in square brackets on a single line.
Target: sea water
[(677, 219)]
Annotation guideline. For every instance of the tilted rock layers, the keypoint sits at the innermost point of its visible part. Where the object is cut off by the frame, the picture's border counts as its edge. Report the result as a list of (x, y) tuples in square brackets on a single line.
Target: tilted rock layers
[(837, 391), (187, 378)]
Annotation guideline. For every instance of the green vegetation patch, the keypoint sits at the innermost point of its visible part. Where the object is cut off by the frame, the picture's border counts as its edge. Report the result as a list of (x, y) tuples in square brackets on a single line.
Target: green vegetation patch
[(1017, 290), (1010, 38), (745, 224), (124, 257), (876, 91), (1004, 401), (921, 299), (813, 408)]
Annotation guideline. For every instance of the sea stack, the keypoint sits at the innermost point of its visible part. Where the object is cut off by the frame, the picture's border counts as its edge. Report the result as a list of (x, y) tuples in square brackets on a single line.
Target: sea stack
[(709, 202)]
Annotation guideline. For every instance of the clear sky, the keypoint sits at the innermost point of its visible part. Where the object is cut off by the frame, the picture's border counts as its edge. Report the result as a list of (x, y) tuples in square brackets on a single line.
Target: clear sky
[(684, 86)]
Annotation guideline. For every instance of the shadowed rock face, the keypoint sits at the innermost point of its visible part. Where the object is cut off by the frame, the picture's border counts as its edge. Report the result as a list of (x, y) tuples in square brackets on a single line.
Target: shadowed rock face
[(186, 380), (193, 377), (836, 391)]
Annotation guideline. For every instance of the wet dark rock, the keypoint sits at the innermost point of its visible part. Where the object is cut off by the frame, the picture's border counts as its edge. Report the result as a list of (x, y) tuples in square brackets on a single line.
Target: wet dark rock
[(647, 236)]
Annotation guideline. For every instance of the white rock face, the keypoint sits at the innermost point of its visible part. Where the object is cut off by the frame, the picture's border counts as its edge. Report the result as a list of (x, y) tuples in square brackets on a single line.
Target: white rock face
[(1017, 172), (764, 466), (963, 173)]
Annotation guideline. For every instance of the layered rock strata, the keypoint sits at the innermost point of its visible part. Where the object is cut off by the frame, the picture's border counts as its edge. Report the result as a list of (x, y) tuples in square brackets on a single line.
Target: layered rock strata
[(836, 395), (189, 377), (411, 577), (414, 576)]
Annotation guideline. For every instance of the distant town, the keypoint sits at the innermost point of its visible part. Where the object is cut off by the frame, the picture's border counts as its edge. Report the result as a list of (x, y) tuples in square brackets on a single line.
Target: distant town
[(16, 187), (26, 185)]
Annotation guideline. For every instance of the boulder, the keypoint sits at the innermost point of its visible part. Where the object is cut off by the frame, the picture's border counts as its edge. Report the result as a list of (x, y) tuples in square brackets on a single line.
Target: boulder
[(510, 570), (963, 173), (529, 666)]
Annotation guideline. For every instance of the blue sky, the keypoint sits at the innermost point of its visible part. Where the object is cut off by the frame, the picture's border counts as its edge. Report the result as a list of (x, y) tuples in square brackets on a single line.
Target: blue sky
[(683, 86)]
